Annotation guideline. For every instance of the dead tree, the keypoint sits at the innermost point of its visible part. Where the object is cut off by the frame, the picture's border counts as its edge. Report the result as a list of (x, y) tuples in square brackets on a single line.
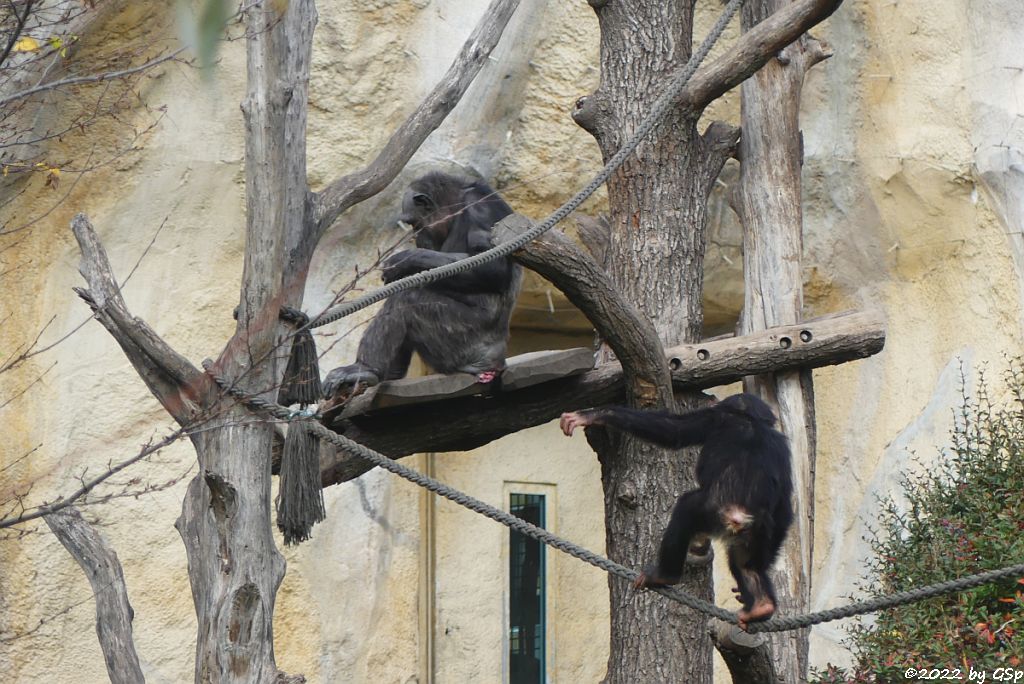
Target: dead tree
[(771, 155), (234, 565), (654, 259)]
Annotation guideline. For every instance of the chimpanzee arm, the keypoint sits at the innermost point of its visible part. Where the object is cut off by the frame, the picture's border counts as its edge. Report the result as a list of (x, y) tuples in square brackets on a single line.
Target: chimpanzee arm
[(659, 427), (494, 276)]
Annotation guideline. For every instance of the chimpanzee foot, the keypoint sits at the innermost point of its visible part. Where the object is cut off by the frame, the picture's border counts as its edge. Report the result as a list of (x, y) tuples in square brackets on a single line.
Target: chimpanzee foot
[(761, 610), (349, 377), (484, 377), (700, 551), (651, 578)]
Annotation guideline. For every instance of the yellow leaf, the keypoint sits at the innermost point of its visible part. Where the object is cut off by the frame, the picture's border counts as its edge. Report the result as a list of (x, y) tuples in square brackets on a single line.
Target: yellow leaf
[(26, 44)]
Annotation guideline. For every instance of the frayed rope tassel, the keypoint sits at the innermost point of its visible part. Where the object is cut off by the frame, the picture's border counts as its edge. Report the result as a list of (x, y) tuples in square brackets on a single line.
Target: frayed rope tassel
[(300, 499), (301, 384)]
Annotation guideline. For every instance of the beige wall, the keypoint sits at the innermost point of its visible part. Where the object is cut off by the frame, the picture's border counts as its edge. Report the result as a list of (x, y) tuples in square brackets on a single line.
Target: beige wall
[(913, 205)]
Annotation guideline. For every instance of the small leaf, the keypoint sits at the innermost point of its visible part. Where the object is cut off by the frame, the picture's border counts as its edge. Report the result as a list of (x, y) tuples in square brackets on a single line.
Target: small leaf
[(55, 42), (26, 44)]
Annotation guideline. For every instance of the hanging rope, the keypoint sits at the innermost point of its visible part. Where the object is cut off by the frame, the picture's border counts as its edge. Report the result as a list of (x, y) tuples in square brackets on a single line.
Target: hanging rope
[(661, 106), (777, 624)]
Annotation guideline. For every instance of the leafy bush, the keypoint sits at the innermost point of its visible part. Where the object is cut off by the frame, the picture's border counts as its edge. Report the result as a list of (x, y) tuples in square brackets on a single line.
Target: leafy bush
[(964, 516)]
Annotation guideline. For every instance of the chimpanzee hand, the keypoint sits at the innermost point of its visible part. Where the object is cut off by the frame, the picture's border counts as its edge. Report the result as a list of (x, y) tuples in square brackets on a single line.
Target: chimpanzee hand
[(571, 421), (399, 265)]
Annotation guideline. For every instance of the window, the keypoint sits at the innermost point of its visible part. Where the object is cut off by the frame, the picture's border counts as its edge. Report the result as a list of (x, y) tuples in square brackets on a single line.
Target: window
[(526, 637)]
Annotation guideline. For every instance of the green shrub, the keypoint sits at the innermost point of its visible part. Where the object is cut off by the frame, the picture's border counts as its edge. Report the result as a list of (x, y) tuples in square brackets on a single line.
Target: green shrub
[(963, 516)]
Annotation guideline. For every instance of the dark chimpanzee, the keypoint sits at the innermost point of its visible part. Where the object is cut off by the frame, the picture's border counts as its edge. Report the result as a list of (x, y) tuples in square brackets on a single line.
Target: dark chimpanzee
[(744, 479), (458, 324)]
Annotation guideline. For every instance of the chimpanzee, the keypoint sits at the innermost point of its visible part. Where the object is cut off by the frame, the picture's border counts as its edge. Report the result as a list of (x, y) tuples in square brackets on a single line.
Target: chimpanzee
[(458, 324), (744, 479)]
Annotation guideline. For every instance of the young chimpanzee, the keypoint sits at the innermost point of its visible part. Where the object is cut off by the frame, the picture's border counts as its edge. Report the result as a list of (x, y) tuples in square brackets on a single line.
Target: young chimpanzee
[(744, 479), (458, 324)]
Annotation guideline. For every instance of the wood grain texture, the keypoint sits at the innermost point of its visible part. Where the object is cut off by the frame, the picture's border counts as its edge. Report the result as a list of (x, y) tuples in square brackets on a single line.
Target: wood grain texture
[(769, 200), (114, 612), (469, 422)]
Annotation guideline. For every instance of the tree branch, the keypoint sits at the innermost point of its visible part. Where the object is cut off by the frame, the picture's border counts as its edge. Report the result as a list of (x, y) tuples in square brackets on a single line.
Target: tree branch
[(630, 335), (746, 655), (63, 502), (753, 49), (19, 26), (469, 422), (93, 78), (114, 613), (172, 379), (352, 189)]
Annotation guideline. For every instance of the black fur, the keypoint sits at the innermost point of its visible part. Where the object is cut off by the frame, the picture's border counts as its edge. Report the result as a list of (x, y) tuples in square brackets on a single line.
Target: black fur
[(458, 324), (744, 469)]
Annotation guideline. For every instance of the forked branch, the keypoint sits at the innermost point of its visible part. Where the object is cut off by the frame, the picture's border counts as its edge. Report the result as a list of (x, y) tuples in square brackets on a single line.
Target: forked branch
[(755, 47), (629, 334), (172, 379)]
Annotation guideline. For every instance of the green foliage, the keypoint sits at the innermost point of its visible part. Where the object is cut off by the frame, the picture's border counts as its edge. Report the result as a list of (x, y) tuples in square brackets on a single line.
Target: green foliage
[(965, 515)]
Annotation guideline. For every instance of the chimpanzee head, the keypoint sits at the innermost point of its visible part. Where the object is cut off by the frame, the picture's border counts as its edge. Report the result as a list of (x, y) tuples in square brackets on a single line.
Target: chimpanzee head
[(438, 204), (749, 405)]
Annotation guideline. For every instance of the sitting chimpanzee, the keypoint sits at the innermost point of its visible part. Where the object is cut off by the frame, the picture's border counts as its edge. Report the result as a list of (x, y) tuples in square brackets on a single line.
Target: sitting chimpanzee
[(458, 324), (744, 479)]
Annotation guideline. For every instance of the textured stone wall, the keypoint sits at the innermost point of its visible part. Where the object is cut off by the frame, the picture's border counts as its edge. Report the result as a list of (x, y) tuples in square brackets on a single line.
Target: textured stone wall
[(913, 187)]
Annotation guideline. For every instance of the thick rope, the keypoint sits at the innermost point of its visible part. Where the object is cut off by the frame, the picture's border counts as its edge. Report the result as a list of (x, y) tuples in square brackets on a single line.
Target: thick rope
[(776, 624), (473, 504), (661, 106)]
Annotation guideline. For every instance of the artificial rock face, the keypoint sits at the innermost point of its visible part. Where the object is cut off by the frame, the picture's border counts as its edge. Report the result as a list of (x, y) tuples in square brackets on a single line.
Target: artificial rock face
[(910, 190)]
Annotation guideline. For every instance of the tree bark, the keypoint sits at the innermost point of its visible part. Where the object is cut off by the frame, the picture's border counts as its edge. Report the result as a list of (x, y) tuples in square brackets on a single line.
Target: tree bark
[(746, 655), (655, 253), (114, 612), (233, 561), (770, 207), (658, 205)]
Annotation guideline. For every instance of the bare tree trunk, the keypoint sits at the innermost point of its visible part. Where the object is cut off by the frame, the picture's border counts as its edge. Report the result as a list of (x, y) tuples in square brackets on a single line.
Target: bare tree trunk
[(234, 565), (655, 255), (658, 203), (770, 199), (114, 613)]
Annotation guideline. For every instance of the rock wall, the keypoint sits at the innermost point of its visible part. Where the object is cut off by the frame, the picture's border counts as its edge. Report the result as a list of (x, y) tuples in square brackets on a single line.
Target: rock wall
[(913, 190)]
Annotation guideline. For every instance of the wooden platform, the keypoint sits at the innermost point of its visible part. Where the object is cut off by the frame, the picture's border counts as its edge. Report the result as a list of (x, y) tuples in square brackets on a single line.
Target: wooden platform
[(524, 370)]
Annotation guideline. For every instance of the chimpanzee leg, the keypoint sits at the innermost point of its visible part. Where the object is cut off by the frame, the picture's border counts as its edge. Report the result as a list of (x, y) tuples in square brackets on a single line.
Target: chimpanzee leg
[(689, 517), (746, 595), (384, 350), (460, 334), (756, 592), (384, 347)]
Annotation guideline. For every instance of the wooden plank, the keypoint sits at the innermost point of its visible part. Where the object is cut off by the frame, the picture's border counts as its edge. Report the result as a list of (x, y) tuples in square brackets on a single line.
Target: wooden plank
[(523, 370), (465, 423), (533, 368)]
